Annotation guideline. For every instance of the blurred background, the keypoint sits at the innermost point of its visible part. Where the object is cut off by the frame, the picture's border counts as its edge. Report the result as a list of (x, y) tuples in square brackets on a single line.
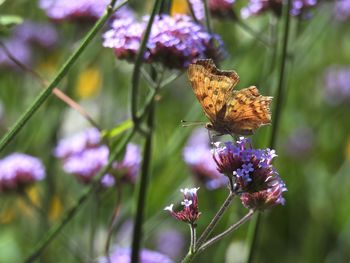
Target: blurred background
[(313, 142)]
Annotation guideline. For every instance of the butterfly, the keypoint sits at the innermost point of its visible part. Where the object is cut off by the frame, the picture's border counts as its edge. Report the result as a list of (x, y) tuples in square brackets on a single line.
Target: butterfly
[(229, 111)]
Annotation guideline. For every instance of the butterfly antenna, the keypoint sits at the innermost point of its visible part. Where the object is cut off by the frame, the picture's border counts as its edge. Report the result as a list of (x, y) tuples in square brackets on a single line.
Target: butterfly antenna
[(191, 123)]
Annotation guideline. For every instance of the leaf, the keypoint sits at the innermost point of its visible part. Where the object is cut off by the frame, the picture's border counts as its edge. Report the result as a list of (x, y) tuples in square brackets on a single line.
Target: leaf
[(118, 129), (8, 21)]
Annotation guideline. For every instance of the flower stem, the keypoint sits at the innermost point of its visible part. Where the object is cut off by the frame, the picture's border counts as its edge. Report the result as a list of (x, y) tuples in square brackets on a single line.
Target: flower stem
[(207, 16), (24, 118), (55, 230), (276, 113), (227, 231), (193, 239)]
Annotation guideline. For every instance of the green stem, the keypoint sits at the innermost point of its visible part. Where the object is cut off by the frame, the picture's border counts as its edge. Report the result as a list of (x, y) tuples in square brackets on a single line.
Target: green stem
[(207, 16), (276, 113), (138, 63), (193, 239), (227, 231), (55, 230), (62, 72)]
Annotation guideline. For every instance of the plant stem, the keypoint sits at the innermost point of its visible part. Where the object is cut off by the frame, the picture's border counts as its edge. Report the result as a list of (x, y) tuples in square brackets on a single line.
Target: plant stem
[(55, 230), (276, 113), (193, 239), (207, 16), (138, 62), (227, 231), (24, 118)]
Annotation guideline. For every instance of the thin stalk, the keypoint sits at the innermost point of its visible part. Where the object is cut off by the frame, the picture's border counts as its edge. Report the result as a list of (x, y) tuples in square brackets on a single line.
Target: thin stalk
[(193, 239), (94, 213), (57, 92), (24, 118), (193, 15), (138, 63), (252, 32), (207, 16), (214, 221), (69, 215), (276, 113), (227, 231)]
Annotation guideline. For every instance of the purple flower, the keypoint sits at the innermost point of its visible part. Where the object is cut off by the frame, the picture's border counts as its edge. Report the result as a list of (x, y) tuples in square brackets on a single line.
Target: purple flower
[(190, 213), (337, 89), (256, 7), (19, 49), (123, 255), (218, 8), (84, 155), (19, 170), (78, 9), (78, 143), (170, 242), (198, 156), (342, 10), (174, 41), (256, 180)]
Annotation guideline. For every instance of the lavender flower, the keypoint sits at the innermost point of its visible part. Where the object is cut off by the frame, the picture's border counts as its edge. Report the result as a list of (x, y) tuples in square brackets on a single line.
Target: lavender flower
[(19, 170), (255, 178), (299, 143), (256, 7), (218, 8), (342, 10), (337, 89), (190, 213), (122, 255), (174, 41), (84, 155), (197, 155), (19, 49), (78, 10), (170, 242)]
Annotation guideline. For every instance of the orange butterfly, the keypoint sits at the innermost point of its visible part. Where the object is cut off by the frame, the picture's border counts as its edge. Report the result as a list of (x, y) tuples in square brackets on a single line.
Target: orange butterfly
[(229, 111)]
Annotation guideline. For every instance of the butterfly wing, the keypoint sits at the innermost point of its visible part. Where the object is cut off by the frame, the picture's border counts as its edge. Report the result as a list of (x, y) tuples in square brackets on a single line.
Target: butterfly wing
[(246, 111), (211, 87)]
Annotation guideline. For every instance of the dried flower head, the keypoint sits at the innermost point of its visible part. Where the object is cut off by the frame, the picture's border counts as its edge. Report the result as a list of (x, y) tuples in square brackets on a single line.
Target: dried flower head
[(190, 212), (175, 41), (199, 158), (19, 170)]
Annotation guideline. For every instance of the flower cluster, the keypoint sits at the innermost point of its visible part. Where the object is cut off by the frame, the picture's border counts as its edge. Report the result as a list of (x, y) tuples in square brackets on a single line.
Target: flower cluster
[(19, 170), (22, 40), (342, 10), (84, 155), (174, 41), (218, 8), (337, 89), (256, 7), (190, 213), (198, 157), (255, 178), (123, 255), (60, 10)]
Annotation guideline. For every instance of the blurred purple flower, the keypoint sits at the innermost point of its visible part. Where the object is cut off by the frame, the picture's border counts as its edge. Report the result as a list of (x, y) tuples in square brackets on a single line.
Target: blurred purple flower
[(19, 49), (122, 255), (78, 9), (84, 155), (218, 8), (342, 10), (197, 154), (78, 143), (337, 88), (170, 242), (190, 212), (299, 143), (256, 180), (18, 170), (256, 7), (174, 41)]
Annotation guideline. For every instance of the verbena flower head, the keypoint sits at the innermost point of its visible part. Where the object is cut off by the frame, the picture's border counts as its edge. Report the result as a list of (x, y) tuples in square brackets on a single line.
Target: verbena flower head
[(84, 155), (77, 10), (175, 41), (199, 158), (252, 171), (342, 10), (336, 84), (257, 7), (19, 170), (217, 8), (123, 255), (190, 213)]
